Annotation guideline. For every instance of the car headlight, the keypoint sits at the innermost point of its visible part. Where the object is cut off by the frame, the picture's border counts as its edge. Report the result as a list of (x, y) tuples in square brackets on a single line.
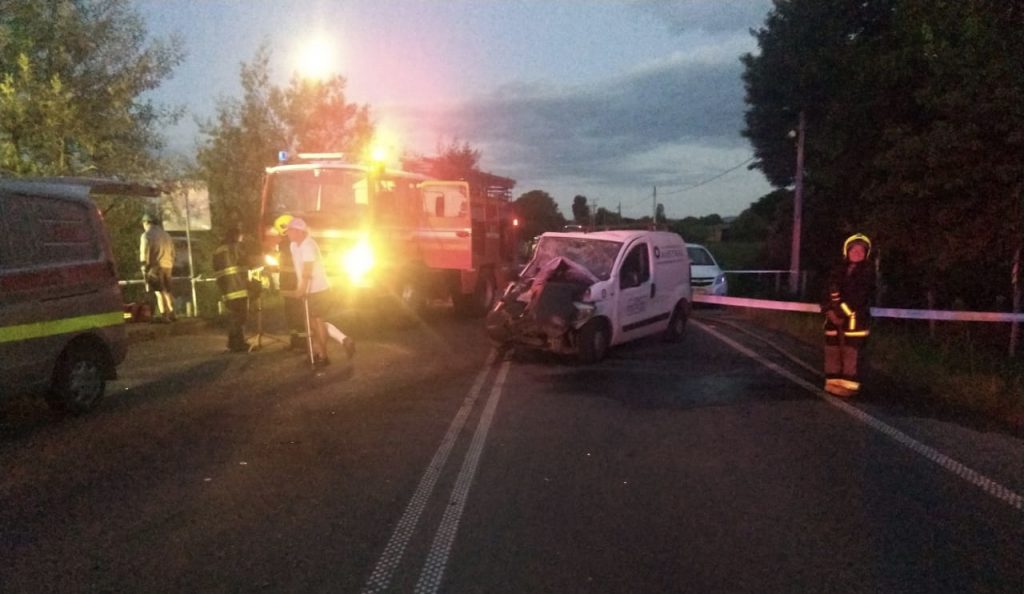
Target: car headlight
[(358, 261), (720, 279), (271, 260)]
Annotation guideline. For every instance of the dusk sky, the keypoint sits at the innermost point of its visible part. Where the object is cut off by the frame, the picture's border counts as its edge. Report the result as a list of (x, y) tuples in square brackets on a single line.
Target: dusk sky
[(604, 99)]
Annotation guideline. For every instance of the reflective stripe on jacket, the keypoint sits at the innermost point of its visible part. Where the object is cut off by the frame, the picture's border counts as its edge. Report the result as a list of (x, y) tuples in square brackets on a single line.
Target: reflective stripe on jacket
[(231, 274), (849, 292)]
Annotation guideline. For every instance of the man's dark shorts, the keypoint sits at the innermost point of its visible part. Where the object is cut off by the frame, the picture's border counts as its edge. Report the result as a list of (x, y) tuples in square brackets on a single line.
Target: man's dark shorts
[(159, 279), (319, 304)]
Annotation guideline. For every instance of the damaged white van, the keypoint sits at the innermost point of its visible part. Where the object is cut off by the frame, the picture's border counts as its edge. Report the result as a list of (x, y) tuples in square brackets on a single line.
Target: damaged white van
[(583, 293)]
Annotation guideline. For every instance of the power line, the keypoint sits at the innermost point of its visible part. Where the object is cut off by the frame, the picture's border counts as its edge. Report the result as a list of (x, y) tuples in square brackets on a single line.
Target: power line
[(708, 180), (700, 183)]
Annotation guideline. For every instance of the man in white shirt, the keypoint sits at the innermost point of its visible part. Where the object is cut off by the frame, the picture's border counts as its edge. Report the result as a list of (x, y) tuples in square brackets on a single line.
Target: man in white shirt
[(313, 286)]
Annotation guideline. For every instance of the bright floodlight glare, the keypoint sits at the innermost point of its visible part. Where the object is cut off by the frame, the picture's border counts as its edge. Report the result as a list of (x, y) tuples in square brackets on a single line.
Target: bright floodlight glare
[(317, 59)]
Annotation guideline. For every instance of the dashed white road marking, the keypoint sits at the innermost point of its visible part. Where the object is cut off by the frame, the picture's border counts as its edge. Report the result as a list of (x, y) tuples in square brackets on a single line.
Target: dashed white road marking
[(392, 555), (437, 559), (986, 484)]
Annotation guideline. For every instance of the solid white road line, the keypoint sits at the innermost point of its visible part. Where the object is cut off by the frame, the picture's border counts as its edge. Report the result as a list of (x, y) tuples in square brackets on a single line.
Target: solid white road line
[(781, 351), (437, 559), (986, 484), (392, 556)]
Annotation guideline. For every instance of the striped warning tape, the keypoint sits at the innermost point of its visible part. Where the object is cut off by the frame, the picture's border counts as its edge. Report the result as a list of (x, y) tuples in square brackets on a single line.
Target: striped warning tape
[(878, 312)]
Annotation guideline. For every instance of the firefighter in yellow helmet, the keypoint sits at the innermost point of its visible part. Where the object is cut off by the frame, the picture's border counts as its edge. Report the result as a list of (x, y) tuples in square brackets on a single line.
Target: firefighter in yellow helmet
[(288, 282), (847, 308)]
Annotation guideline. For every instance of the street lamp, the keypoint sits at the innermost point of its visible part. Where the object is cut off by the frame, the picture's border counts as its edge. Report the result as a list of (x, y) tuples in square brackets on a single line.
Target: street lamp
[(798, 205)]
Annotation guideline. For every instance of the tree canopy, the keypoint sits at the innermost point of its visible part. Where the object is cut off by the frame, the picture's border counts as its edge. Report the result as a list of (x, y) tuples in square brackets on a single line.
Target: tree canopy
[(72, 81), (914, 133), (246, 135), (539, 213), (580, 210)]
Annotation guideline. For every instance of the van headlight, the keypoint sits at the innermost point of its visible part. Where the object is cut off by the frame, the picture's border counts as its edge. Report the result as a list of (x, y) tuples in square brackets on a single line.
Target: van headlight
[(584, 311), (358, 261)]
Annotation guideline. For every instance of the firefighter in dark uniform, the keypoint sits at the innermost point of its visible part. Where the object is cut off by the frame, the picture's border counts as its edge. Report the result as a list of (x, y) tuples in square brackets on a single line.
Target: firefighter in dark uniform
[(288, 282), (847, 308), (232, 274)]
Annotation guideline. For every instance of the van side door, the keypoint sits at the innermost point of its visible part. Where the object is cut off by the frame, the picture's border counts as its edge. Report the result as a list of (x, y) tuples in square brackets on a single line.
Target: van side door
[(636, 287)]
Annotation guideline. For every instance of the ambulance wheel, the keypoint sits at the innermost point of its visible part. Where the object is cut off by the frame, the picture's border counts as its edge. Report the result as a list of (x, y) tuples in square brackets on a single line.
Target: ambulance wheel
[(593, 339), (79, 381), (677, 323)]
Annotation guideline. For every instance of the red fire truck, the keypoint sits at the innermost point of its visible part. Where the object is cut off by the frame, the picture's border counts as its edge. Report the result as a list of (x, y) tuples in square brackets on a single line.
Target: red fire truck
[(392, 233)]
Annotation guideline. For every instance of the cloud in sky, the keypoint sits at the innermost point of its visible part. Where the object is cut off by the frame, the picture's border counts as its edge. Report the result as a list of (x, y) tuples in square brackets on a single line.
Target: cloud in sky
[(671, 122), (708, 15)]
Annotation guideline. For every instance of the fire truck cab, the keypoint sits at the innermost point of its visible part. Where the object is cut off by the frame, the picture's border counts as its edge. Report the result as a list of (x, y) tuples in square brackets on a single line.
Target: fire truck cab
[(397, 234)]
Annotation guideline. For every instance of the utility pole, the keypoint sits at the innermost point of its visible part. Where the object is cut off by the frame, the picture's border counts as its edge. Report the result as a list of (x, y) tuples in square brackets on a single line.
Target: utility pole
[(798, 205), (654, 209)]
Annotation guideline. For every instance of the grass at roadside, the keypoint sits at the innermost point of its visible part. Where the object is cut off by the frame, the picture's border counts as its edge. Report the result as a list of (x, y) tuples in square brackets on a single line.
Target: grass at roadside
[(961, 367)]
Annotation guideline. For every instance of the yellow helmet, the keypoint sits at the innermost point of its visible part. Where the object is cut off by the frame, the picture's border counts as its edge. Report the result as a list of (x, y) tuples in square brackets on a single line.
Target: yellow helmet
[(855, 238), (281, 223)]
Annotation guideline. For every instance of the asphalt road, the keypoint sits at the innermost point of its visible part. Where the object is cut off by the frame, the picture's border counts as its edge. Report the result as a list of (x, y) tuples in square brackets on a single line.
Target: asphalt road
[(432, 464)]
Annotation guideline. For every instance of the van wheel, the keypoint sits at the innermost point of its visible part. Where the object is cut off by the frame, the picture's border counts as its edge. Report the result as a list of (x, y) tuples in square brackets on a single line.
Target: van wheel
[(593, 339), (677, 324), (79, 381)]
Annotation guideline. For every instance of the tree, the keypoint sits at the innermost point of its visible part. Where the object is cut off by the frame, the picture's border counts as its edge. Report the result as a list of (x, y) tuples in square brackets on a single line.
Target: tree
[(246, 135), (581, 210), (814, 59), (915, 134), (73, 78), (455, 161), (72, 81), (659, 214), (538, 213), (316, 117)]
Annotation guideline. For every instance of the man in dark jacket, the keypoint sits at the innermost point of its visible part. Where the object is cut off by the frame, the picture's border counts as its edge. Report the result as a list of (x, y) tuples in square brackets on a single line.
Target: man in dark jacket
[(847, 308), (232, 273)]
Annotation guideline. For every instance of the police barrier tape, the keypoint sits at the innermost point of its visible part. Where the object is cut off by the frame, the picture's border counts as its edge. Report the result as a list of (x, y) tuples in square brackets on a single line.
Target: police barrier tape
[(878, 312), (139, 281)]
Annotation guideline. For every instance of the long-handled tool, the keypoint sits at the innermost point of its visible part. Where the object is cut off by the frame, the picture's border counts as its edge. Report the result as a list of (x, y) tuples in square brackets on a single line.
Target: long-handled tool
[(309, 330)]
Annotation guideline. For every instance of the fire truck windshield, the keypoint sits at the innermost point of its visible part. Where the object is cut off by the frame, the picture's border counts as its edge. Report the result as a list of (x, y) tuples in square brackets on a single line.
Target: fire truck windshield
[(338, 193)]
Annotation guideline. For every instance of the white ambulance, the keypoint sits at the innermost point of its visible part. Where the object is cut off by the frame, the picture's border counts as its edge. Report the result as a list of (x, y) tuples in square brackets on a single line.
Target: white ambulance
[(583, 293)]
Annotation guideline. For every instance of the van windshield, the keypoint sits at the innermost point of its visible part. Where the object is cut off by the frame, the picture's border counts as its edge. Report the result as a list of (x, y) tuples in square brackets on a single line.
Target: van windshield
[(596, 255)]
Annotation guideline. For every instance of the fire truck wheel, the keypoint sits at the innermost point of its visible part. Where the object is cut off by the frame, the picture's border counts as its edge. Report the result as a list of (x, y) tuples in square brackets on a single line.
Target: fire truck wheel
[(411, 297), (479, 302)]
